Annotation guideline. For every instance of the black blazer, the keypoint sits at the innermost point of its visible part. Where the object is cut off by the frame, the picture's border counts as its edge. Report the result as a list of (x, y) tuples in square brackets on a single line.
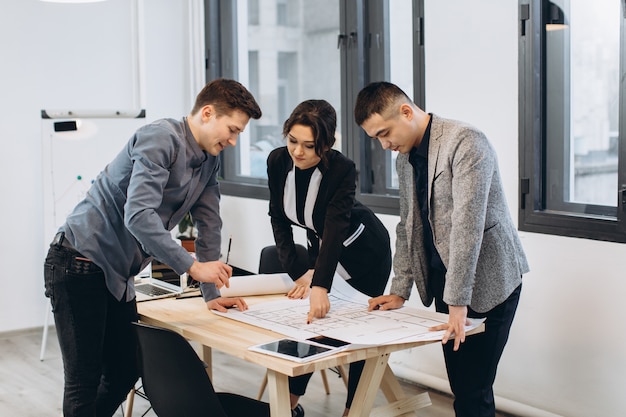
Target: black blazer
[(350, 233)]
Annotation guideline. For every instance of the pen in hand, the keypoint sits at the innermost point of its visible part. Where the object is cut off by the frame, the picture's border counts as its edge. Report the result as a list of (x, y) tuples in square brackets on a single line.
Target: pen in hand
[(230, 241)]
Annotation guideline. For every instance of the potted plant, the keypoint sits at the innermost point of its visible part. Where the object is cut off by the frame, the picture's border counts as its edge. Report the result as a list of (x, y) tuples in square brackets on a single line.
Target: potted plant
[(187, 233)]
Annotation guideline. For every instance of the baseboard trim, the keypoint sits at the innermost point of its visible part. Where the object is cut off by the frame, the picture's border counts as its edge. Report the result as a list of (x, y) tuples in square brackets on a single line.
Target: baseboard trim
[(6, 334), (504, 405)]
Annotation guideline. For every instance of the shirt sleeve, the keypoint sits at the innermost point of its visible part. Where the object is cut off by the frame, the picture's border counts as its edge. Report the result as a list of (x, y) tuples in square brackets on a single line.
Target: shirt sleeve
[(206, 217), (402, 281), (152, 154)]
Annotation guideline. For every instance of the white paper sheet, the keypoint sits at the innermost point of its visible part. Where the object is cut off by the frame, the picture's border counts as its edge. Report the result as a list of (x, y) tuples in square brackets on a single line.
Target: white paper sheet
[(347, 320), (261, 284)]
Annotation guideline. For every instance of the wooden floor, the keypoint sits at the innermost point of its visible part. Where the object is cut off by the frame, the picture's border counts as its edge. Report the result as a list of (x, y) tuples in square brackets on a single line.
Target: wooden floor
[(33, 388)]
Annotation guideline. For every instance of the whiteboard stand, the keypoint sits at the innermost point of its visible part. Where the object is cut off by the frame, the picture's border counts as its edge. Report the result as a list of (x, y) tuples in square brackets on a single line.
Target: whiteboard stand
[(76, 146), (44, 337)]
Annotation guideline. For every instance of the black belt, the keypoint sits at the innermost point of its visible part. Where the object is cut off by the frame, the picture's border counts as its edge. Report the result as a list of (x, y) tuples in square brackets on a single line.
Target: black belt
[(78, 263)]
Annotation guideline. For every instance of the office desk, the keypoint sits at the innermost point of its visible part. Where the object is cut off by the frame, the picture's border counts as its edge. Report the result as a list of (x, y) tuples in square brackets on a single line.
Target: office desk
[(191, 318)]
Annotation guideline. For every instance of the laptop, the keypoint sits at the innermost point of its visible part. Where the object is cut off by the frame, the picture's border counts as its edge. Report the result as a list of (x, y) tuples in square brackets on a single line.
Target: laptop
[(157, 281)]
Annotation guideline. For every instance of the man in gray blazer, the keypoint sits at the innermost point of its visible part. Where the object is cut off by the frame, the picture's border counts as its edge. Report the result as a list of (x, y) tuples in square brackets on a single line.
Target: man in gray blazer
[(455, 239)]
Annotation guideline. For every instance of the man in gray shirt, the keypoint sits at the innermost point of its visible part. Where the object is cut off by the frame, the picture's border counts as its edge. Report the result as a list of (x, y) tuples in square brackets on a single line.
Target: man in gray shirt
[(168, 168)]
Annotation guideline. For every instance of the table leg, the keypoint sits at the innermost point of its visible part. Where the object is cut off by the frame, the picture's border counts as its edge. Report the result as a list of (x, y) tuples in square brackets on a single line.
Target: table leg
[(399, 403), (278, 388), (371, 377), (130, 401), (342, 373), (390, 386)]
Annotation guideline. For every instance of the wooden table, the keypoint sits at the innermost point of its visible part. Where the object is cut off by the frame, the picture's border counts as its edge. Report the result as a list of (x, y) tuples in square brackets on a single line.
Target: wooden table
[(191, 318)]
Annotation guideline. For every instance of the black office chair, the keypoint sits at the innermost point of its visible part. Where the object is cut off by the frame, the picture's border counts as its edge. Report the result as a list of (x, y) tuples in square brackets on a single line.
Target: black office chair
[(177, 384), (270, 264)]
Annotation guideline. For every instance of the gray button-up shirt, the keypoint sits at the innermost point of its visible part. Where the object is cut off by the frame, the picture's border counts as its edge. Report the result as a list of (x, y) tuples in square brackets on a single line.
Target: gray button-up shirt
[(126, 217)]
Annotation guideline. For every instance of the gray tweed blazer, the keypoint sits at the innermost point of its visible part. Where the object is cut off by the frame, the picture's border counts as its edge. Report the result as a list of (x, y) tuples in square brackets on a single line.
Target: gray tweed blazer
[(472, 227)]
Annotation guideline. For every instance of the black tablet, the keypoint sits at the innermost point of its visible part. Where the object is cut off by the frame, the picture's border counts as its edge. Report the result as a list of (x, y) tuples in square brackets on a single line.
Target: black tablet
[(296, 350)]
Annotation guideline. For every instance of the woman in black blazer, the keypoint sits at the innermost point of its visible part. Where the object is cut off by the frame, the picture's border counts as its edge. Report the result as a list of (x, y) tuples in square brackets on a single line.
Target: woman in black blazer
[(313, 186)]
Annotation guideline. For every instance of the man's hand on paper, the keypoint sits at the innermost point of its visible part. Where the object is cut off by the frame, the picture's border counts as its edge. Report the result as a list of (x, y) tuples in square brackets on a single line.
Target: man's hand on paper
[(385, 302), (457, 320), (221, 304), (319, 305), (216, 272), (302, 286)]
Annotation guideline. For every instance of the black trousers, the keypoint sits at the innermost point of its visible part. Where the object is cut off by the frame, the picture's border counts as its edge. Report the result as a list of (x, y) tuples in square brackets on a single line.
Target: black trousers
[(472, 369), (97, 341)]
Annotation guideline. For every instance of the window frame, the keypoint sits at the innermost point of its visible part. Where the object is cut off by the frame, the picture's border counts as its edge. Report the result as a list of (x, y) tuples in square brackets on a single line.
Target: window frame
[(373, 190), (533, 215), (360, 64)]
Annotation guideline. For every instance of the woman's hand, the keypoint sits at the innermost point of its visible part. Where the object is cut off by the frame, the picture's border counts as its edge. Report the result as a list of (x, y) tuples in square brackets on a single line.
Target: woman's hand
[(319, 305), (302, 286)]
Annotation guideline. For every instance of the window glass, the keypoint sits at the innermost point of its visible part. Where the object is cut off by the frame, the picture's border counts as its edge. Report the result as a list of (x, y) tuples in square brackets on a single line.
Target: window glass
[(253, 12), (582, 57), (571, 110), (289, 55)]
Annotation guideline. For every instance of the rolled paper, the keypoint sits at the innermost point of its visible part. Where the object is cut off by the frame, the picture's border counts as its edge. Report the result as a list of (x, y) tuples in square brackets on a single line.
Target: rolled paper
[(261, 284)]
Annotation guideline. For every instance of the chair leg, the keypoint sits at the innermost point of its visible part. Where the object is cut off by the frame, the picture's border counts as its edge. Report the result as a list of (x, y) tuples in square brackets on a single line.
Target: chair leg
[(263, 386), (130, 399), (325, 381), (343, 375)]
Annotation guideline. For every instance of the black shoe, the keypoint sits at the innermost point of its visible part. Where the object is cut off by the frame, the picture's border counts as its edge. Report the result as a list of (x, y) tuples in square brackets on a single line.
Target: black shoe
[(298, 411)]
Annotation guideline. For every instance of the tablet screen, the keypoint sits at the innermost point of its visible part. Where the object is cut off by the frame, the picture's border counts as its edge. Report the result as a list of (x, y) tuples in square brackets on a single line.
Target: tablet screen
[(300, 351)]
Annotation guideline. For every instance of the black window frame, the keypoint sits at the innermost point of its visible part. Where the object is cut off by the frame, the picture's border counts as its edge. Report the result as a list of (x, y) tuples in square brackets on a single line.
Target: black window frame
[(362, 61), (595, 222)]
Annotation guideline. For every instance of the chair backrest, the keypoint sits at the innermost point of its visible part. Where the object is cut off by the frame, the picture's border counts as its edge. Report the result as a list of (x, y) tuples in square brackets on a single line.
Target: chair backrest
[(173, 376), (270, 264)]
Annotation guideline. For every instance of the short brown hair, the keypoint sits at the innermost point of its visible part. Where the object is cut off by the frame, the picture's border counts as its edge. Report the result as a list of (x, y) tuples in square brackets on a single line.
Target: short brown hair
[(377, 97), (226, 96), (321, 117)]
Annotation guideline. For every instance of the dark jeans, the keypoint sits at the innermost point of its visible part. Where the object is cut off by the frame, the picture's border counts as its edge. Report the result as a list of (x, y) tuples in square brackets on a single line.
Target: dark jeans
[(472, 369), (97, 341)]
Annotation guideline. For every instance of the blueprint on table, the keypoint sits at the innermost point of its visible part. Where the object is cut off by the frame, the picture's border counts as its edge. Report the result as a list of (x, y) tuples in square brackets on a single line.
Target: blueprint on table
[(348, 319)]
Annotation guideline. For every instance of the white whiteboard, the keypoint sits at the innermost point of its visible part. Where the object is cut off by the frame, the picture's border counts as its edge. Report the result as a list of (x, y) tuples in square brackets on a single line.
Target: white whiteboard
[(73, 159)]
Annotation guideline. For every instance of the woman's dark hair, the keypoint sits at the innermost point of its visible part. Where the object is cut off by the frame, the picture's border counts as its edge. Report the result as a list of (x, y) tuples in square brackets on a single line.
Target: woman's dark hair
[(321, 117), (226, 96)]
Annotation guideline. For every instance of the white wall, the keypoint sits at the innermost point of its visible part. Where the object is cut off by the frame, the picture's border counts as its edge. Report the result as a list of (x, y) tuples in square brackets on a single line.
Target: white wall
[(566, 351), (71, 56)]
